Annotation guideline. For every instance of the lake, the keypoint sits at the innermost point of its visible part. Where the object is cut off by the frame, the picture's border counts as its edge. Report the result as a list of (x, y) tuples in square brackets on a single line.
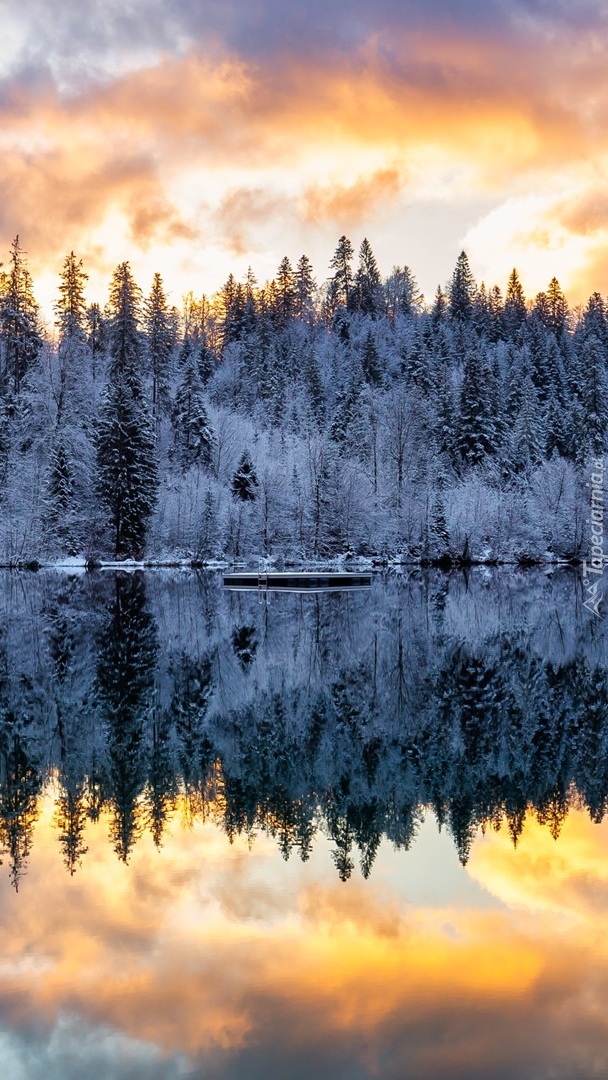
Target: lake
[(345, 836)]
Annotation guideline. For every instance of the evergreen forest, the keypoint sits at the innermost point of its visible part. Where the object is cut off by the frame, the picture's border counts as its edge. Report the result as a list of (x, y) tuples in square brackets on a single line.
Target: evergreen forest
[(298, 420)]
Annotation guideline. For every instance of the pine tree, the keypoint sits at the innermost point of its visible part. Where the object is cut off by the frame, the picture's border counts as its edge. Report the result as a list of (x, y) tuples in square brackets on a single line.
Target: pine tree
[(208, 536), (304, 285), (313, 385), (340, 287), (245, 482), (193, 437), (477, 424), (233, 304), (97, 336), (285, 304), (594, 397), (557, 309), (60, 509), (462, 290), (123, 326), (159, 345), (73, 351), (595, 319), (20, 338), (207, 363), (370, 361), (127, 473), (528, 437), (402, 294), (71, 309), (440, 306), (515, 310), (347, 409), (367, 295)]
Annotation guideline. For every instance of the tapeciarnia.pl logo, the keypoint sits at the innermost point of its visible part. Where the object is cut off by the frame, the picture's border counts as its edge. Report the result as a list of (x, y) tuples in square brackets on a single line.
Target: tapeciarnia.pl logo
[(593, 571)]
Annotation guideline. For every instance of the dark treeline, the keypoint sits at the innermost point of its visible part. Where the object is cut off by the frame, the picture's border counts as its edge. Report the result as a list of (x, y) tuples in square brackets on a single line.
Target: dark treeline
[(299, 420), (141, 699)]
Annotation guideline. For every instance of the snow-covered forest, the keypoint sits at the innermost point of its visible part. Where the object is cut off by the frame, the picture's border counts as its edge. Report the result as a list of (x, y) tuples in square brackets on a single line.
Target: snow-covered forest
[(152, 697), (299, 420)]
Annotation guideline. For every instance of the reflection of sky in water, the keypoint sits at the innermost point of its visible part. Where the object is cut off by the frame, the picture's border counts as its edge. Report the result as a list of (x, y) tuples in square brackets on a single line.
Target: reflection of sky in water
[(210, 959), (323, 723)]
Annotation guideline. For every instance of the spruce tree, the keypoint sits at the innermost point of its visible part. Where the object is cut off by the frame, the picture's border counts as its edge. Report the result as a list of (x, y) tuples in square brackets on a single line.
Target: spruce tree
[(595, 319), (477, 424), (233, 303), (285, 303), (207, 363), (208, 535), (159, 345), (594, 397), (462, 290), (367, 296), (304, 285), (402, 294), (20, 337), (370, 361), (245, 482), (439, 537), (557, 309), (123, 326), (515, 310), (340, 289), (440, 306), (193, 438), (97, 337), (71, 308), (73, 351), (60, 512), (127, 473), (528, 436)]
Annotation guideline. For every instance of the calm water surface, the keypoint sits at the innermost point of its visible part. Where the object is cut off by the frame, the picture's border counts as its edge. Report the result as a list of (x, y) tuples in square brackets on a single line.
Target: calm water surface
[(335, 836)]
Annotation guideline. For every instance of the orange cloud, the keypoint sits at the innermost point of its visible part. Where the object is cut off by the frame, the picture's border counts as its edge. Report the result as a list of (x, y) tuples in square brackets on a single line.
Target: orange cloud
[(223, 955), (242, 211), (352, 204), (193, 144)]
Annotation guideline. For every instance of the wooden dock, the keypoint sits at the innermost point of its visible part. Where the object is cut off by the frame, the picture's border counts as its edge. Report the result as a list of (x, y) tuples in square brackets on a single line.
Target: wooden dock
[(312, 581)]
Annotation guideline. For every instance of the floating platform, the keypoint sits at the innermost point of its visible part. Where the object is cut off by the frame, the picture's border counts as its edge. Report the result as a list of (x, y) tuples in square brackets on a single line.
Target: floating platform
[(295, 582)]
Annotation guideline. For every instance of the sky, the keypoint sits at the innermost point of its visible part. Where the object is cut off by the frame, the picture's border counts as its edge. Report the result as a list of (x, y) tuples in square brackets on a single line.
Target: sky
[(197, 137), (218, 960)]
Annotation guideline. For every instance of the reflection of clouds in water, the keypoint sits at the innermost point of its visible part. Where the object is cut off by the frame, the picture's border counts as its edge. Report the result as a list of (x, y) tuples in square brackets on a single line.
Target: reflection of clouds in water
[(350, 980), (567, 879)]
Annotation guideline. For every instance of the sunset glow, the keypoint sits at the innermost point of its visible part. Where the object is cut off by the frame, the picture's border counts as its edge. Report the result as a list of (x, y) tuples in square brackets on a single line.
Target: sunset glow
[(201, 139), (192, 951)]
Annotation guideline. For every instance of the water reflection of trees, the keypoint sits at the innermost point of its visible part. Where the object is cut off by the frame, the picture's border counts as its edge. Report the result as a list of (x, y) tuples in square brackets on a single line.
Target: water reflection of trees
[(346, 716)]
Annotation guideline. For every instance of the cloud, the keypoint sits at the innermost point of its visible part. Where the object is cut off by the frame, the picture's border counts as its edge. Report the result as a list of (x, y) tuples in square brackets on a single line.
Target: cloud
[(259, 124), (241, 213), (237, 965), (352, 204), (116, 32), (563, 232)]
